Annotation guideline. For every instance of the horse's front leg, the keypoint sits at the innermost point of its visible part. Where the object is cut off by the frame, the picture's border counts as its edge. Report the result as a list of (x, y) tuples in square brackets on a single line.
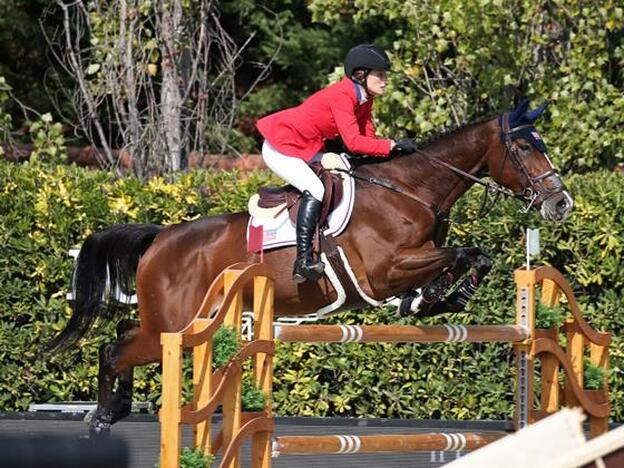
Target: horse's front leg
[(480, 266), (433, 301), (411, 269), (440, 269)]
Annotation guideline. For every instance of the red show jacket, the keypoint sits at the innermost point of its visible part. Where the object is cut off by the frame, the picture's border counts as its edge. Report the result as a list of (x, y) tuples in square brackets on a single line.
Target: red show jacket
[(301, 131)]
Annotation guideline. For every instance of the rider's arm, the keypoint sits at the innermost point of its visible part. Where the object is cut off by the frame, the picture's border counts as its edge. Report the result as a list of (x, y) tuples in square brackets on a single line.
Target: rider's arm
[(342, 110)]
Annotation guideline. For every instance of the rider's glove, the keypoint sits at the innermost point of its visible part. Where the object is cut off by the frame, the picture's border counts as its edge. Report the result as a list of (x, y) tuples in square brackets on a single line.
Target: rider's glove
[(404, 147)]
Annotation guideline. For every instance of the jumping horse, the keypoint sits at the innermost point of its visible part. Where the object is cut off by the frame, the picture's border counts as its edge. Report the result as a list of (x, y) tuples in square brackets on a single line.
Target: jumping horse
[(394, 243)]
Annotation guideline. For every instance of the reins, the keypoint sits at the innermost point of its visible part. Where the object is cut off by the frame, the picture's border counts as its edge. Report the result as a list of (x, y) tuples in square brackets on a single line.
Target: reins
[(387, 185), (489, 186)]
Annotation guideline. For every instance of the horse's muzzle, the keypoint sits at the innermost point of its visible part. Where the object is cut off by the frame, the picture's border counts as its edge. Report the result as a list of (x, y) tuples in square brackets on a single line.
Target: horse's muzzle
[(557, 207)]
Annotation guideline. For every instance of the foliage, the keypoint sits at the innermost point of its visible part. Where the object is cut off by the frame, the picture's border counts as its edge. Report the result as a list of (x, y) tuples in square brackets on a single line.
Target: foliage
[(462, 381), (46, 209), (225, 345), (458, 61), (6, 121), (594, 376), (154, 79), (48, 140), (301, 51), (454, 61), (193, 458), (23, 61), (252, 398), (548, 317)]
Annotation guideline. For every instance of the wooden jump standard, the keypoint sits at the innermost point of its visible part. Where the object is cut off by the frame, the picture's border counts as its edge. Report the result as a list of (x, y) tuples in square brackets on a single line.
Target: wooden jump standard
[(223, 386)]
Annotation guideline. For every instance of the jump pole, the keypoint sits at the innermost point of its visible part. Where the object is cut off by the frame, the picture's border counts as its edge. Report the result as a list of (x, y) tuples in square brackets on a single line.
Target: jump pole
[(400, 333), (348, 444)]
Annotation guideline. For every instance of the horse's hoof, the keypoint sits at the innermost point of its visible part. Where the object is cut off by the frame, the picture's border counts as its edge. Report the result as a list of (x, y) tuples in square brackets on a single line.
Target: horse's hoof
[(99, 430), (89, 416), (410, 304)]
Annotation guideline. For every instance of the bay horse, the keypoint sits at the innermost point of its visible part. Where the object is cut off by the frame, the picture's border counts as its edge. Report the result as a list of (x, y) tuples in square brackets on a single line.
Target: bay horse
[(394, 242)]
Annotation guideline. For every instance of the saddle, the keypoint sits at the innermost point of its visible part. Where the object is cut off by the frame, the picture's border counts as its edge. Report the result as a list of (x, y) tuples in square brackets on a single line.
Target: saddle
[(270, 202)]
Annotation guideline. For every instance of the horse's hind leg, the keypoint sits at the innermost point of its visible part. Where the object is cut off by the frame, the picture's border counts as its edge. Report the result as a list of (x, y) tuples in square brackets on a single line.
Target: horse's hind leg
[(121, 404), (117, 360), (102, 419)]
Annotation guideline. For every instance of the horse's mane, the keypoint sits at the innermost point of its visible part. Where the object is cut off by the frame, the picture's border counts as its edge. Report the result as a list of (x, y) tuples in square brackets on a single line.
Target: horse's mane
[(431, 141)]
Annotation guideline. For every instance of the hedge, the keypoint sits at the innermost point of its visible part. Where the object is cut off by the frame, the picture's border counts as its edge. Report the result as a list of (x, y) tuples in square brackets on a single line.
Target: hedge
[(46, 209)]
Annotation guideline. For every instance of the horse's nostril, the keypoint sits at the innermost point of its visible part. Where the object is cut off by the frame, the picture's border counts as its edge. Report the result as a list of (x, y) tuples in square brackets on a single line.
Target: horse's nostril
[(561, 207)]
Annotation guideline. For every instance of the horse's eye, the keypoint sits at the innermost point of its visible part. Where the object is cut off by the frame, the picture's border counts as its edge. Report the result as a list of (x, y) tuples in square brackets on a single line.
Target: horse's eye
[(525, 147)]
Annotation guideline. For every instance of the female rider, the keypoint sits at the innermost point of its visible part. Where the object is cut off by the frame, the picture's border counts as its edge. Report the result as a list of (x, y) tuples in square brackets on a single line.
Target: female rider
[(295, 137)]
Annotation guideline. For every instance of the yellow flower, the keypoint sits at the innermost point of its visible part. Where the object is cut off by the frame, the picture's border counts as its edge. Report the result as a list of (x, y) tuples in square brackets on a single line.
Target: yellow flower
[(157, 184), (123, 205)]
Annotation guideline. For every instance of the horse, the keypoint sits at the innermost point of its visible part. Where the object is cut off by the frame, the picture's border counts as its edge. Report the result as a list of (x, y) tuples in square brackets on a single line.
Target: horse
[(394, 243)]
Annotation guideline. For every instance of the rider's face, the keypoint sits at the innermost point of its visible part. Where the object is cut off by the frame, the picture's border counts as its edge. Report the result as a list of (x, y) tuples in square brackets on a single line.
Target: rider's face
[(376, 82)]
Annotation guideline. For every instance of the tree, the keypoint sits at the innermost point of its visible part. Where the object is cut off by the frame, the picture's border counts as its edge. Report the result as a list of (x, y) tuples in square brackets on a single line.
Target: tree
[(154, 78)]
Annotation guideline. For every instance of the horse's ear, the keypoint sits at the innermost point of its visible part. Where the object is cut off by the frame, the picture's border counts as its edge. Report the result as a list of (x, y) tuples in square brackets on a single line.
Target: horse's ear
[(518, 112), (533, 115)]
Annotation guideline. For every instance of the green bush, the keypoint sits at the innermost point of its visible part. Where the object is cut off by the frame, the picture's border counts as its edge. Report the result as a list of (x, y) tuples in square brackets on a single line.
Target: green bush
[(548, 317), (193, 458), (594, 376), (45, 209), (468, 381), (225, 345)]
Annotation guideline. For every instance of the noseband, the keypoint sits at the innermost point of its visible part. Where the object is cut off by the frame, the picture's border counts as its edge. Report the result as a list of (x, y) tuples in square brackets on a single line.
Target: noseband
[(534, 187)]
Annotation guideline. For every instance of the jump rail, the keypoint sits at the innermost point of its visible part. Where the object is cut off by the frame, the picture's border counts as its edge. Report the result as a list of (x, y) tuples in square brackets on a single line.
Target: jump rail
[(223, 385), (400, 333), (347, 444)]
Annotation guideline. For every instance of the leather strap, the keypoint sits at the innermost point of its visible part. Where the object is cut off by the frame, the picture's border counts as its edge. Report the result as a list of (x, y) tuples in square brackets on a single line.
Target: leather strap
[(329, 246)]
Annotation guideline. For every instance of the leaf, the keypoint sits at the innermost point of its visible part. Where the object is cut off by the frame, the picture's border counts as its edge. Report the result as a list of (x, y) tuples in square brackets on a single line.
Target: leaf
[(93, 68)]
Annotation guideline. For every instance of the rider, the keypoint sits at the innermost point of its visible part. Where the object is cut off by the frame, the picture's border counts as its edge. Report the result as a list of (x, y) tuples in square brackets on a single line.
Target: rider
[(295, 137)]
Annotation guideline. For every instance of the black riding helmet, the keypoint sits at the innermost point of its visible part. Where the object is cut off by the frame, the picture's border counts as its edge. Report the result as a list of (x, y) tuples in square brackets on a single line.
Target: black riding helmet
[(366, 57)]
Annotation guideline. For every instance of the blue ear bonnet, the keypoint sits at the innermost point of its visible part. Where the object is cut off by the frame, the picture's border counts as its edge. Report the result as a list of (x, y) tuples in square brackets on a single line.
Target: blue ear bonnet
[(530, 135), (521, 115)]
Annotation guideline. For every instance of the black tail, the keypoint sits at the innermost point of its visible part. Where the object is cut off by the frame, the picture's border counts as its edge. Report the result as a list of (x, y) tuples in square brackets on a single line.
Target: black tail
[(107, 263)]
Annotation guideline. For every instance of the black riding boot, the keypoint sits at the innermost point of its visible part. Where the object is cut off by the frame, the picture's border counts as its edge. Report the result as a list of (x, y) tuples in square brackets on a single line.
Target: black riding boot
[(307, 218)]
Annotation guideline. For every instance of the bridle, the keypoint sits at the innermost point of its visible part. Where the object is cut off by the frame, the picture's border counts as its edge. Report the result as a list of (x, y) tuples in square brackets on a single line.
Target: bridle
[(534, 186), (533, 189)]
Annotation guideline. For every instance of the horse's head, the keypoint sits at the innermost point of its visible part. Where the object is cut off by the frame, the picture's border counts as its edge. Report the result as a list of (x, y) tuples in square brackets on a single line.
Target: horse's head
[(519, 162)]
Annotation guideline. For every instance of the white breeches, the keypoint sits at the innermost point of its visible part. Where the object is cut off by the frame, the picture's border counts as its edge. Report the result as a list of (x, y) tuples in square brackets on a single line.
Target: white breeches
[(293, 170)]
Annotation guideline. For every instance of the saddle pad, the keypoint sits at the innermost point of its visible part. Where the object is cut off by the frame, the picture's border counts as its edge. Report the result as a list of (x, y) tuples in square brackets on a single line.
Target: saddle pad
[(279, 230)]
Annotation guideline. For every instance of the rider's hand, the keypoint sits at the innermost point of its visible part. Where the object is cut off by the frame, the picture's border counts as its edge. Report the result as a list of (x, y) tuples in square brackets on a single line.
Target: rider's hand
[(404, 147)]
